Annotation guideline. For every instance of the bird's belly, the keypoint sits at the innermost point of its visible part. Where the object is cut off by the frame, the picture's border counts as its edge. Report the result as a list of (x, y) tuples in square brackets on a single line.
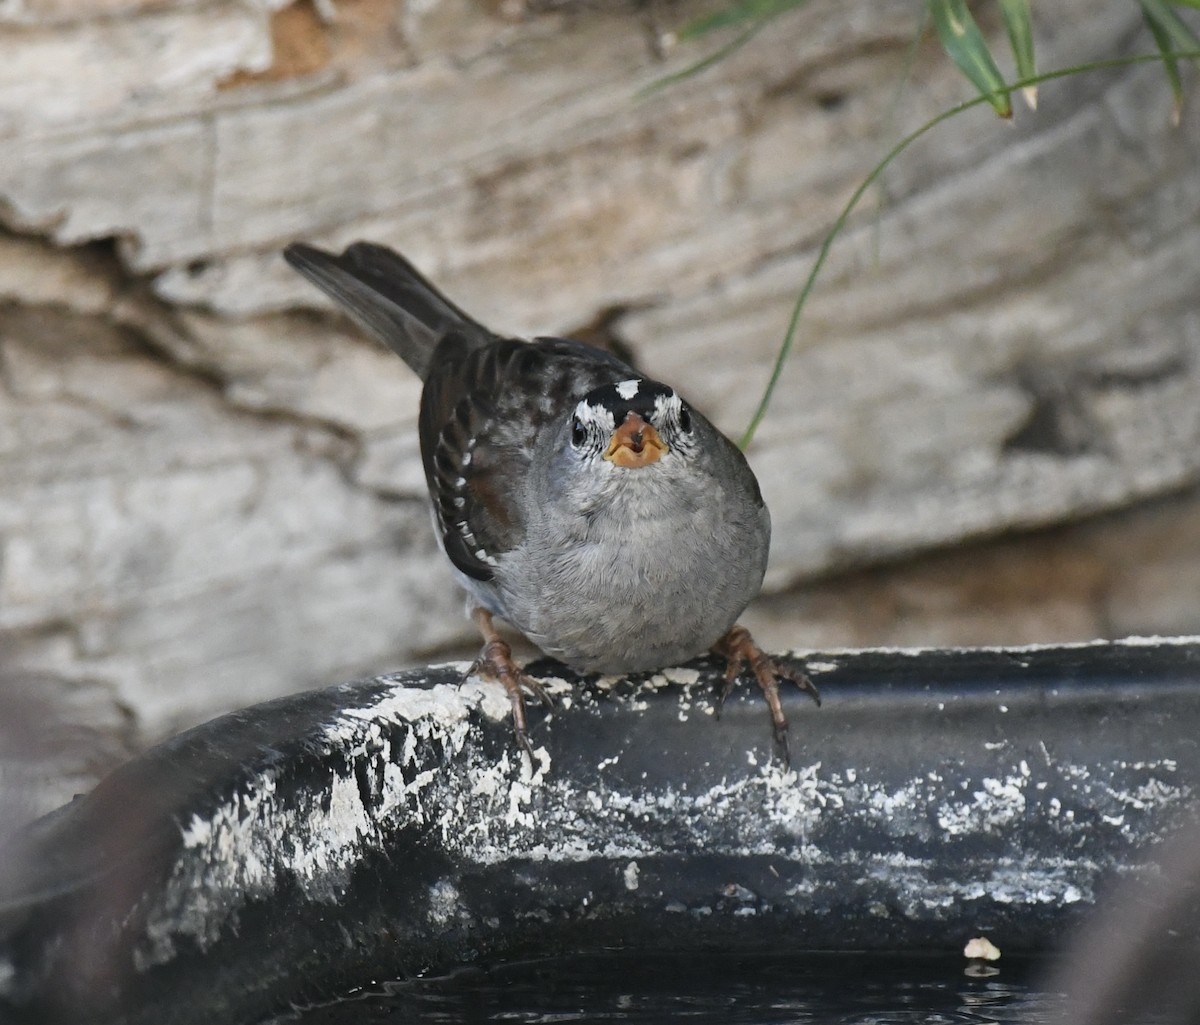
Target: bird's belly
[(655, 599)]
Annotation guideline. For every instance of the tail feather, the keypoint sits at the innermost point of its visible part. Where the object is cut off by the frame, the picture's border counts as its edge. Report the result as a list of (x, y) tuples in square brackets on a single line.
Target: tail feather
[(388, 296)]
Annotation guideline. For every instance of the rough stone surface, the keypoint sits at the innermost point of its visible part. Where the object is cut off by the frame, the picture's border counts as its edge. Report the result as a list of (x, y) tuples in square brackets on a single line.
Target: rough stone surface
[(210, 492)]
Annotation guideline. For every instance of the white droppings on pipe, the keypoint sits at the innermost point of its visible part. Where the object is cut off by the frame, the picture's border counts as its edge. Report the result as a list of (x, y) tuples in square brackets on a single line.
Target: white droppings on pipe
[(404, 763)]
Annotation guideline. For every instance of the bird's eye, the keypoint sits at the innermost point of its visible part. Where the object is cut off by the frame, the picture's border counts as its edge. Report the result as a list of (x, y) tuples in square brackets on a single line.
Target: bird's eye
[(685, 420), (578, 433)]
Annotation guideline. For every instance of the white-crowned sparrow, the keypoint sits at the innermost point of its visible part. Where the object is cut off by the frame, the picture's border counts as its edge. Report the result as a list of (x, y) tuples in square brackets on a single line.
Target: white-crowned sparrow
[(589, 506)]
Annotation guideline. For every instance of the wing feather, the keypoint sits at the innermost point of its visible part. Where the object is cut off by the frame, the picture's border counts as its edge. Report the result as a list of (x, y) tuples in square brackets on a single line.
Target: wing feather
[(481, 413)]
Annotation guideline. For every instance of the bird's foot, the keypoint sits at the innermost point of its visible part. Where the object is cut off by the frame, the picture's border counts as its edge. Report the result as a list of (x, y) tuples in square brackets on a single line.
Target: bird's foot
[(739, 651), (495, 662)]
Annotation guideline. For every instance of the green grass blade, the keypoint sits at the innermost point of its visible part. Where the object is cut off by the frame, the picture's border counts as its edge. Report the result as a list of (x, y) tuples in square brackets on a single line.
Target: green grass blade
[(757, 12), (789, 337), (1019, 22), (1162, 39), (1182, 37), (964, 44), (736, 14), (1170, 33), (703, 63)]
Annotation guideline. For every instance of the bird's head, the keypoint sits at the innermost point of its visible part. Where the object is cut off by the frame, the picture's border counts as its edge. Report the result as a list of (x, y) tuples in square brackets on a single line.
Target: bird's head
[(631, 426)]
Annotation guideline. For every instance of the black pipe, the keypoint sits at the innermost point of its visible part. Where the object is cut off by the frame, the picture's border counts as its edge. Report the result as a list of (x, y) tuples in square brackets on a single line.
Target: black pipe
[(305, 846)]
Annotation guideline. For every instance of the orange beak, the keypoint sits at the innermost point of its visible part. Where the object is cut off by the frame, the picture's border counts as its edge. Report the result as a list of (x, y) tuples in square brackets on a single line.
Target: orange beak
[(635, 443)]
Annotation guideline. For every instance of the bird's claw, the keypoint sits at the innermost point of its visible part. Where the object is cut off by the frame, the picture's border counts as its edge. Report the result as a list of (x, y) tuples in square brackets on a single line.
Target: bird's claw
[(495, 662), (739, 651)]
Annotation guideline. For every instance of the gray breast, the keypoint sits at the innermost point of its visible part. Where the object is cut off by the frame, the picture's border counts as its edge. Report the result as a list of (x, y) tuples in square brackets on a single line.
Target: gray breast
[(637, 594)]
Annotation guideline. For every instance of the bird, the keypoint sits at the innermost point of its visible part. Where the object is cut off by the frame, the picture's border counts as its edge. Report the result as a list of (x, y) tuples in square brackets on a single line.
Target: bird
[(592, 508)]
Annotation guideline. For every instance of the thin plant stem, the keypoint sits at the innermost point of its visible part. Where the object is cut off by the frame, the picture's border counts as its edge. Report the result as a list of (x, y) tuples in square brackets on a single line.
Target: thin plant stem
[(793, 323)]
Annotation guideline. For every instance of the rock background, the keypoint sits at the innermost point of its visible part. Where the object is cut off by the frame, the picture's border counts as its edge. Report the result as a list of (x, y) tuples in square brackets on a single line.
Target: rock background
[(989, 430)]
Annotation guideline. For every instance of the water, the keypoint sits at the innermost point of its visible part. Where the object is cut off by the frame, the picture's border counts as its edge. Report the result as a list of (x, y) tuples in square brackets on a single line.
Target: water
[(707, 989)]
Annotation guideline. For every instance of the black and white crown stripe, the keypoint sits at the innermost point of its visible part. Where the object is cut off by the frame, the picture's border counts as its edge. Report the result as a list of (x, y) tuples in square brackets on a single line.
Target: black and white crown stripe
[(608, 405)]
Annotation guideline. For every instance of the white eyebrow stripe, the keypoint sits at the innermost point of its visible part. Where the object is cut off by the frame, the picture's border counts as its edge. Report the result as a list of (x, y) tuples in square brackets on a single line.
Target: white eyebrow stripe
[(596, 414), (670, 402), (628, 389)]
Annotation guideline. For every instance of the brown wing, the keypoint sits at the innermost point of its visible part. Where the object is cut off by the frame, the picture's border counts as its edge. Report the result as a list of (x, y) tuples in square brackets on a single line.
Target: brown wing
[(480, 413)]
